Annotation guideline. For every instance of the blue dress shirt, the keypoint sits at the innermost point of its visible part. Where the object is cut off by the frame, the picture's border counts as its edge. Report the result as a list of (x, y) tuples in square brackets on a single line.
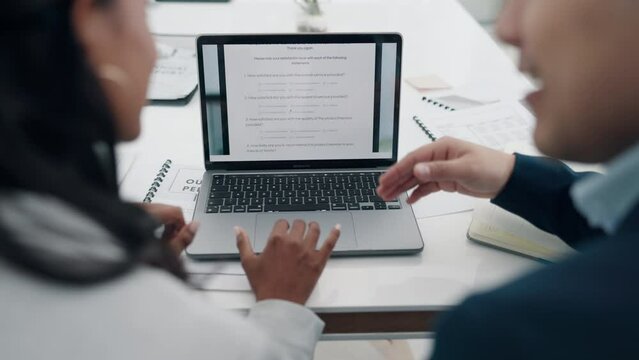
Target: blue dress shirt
[(605, 201)]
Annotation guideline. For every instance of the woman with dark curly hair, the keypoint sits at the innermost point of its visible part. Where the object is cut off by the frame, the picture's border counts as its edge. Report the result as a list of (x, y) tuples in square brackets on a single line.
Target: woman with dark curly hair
[(82, 275)]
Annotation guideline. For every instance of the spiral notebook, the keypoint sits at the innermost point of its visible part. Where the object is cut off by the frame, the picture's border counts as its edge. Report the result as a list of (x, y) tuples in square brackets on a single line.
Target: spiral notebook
[(498, 228), (446, 104), (163, 182), (494, 125)]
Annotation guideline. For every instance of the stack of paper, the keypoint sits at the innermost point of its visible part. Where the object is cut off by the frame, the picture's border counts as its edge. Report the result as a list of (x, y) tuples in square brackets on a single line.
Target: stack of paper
[(174, 76)]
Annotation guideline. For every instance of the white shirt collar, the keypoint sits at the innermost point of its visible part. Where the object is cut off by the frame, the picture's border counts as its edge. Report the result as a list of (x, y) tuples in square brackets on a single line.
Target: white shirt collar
[(605, 201)]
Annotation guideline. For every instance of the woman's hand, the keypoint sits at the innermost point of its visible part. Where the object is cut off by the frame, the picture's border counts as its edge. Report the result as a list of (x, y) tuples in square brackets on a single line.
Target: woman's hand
[(290, 264), (177, 233), (450, 165)]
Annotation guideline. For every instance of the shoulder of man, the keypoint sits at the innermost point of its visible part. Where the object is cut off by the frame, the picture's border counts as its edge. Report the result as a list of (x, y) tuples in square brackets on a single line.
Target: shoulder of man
[(584, 307)]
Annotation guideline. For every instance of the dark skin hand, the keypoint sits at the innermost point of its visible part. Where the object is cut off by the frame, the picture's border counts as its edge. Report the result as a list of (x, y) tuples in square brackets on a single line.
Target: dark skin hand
[(291, 264), (177, 233)]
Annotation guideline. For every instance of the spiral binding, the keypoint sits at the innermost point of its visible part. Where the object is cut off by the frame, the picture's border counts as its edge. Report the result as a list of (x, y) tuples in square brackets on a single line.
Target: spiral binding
[(438, 104), (423, 126), (159, 178), (425, 129)]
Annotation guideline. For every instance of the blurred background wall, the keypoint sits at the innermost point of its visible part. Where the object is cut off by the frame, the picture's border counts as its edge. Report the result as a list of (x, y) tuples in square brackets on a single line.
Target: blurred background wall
[(485, 11)]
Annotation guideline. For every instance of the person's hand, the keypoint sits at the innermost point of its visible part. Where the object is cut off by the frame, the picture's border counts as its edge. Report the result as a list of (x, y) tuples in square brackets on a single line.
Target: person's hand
[(450, 165), (177, 233), (290, 264)]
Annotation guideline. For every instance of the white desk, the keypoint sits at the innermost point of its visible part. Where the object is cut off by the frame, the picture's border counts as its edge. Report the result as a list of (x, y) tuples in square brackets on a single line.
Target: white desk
[(439, 37)]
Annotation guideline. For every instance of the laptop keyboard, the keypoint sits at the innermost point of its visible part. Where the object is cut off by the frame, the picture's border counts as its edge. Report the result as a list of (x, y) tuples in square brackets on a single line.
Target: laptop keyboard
[(352, 191)]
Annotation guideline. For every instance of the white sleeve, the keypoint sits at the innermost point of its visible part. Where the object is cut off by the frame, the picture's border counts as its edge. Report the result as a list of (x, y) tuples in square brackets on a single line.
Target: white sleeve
[(147, 314), (294, 328)]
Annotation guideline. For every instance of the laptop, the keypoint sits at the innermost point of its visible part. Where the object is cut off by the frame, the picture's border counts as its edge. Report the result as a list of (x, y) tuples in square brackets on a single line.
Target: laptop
[(300, 126)]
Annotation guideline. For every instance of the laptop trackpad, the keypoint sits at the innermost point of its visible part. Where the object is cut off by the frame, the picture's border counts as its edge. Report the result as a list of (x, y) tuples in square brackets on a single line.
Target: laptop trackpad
[(326, 220)]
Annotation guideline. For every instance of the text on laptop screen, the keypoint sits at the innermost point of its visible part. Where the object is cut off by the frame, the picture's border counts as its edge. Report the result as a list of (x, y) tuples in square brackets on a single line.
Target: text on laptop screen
[(325, 101)]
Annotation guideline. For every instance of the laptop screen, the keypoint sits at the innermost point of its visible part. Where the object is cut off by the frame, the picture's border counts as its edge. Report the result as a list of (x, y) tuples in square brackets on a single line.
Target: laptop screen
[(300, 98)]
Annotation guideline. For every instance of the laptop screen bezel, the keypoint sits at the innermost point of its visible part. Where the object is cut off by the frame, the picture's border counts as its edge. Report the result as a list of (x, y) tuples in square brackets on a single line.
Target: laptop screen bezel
[(333, 38)]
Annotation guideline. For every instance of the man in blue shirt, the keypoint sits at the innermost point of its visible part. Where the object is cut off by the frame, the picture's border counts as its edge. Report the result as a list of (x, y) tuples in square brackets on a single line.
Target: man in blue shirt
[(585, 55)]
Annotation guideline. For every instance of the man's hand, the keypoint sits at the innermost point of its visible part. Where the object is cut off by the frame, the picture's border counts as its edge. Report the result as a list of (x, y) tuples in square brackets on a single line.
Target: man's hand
[(290, 264), (176, 232), (450, 165)]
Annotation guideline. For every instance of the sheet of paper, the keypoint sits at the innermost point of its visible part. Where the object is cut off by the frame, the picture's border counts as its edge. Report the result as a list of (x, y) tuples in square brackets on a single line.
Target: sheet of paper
[(183, 191), (459, 102), (179, 186), (221, 275), (442, 203), (174, 76), (494, 125), (220, 282), (482, 94), (428, 82), (228, 267)]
